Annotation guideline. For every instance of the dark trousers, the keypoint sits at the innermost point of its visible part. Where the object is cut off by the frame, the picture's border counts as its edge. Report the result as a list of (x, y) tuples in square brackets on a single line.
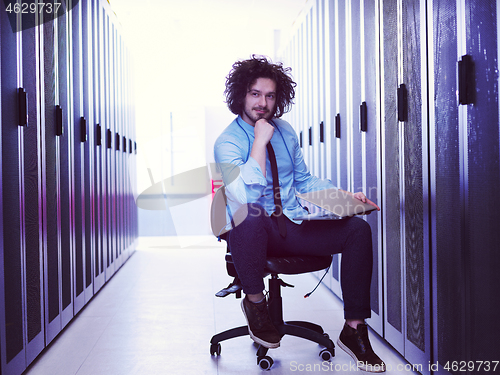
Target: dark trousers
[(257, 237)]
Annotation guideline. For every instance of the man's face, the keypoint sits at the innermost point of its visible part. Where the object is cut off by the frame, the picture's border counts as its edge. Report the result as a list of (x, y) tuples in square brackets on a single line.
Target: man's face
[(260, 101)]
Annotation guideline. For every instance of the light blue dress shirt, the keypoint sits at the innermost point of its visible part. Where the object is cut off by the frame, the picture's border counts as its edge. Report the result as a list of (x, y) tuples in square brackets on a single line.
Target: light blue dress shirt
[(242, 175)]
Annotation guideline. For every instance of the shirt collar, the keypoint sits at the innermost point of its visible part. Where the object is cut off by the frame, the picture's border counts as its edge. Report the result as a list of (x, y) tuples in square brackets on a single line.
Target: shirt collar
[(245, 125)]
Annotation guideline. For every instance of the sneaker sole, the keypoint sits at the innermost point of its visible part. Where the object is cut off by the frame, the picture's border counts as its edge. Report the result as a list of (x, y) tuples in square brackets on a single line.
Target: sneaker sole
[(269, 345), (361, 367)]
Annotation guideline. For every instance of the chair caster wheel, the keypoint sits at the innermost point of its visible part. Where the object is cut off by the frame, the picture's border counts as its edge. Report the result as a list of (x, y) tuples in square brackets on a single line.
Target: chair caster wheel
[(265, 362), (215, 349), (326, 354)]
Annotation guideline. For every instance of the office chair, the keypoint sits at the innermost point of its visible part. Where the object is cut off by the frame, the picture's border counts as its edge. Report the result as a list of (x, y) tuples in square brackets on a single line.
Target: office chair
[(290, 265)]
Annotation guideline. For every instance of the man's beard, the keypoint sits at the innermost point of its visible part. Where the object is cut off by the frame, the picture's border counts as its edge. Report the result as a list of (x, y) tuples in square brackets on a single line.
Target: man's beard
[(267, 115)]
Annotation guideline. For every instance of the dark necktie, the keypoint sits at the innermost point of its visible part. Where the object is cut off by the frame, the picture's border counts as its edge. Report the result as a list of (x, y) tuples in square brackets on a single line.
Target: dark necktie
[(278, 212)]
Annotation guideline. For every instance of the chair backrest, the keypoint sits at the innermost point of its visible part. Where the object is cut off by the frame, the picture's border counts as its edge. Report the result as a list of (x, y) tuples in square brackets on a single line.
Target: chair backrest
[(218, 219)]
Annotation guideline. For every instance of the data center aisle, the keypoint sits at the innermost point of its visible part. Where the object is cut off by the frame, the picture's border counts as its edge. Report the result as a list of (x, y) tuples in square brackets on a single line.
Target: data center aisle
[(158, 313)]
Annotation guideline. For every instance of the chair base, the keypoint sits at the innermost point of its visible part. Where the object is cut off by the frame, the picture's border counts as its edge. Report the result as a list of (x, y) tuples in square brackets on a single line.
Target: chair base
[(305, 330)]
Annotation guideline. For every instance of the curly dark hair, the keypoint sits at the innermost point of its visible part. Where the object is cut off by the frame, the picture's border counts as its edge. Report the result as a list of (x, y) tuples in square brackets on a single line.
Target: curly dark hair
[(244, 74)]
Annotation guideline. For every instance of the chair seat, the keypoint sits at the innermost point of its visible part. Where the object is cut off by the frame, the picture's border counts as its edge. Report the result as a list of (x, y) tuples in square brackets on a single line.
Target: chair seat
[(293, 265)]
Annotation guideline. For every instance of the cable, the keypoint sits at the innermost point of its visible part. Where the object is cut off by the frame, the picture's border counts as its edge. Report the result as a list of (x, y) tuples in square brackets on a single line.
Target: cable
[(319, 282)]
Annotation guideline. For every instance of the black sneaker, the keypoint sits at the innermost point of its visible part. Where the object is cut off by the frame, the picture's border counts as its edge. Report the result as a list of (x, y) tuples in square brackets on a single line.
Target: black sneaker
[(355, 342), (260, 327)]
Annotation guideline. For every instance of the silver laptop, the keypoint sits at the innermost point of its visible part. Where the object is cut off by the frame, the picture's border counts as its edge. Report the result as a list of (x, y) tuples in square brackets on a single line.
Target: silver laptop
[(332, 204)]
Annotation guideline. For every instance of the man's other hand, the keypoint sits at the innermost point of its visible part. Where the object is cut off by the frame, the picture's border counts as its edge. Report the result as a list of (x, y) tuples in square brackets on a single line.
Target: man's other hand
[(263, 132)]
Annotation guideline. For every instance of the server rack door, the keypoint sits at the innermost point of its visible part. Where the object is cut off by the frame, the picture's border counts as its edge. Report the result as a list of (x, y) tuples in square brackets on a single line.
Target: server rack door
[(133, 150), (64, 165), (447, 225), (56, 281), (12, 324), (481, 179), (108, 150), (342, 116), (112, 151), (88, 167), (416, 184), (335, 105), (107, 261), (353, 87), (342, 108), (98, 144), (306, 89), (126, 151), (301, 97), (331, 109), (123, 148), (321, 84), (314, 102), (125, 131), (331, 89), (406, 181), (32, 195), (79, 139), (126, 165), (118, 147), (370, 142), (391, 203), (295, 65)]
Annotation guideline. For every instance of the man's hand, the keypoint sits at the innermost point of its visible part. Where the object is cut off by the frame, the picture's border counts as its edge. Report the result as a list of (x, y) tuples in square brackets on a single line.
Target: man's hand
[(359, 195), (263, 132)]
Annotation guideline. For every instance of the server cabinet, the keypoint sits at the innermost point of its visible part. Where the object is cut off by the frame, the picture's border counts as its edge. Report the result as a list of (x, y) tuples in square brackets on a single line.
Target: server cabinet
[(446, 166), (109, 143), (330, 79), (64, 135), (326, 132), (312, 90), (32, 198), (118, 150), (21, 311), (321, 88), (57, 259), (87, 175), (301, 93), (13, 349), (100, 148), (393, 301), (464, 167), (79, 124), (340, 178), (406, 181), (481, 147), (50, 217), (360, 76), (355, 127), (354, 78), (341, 93), (338, 107), (368, 126)]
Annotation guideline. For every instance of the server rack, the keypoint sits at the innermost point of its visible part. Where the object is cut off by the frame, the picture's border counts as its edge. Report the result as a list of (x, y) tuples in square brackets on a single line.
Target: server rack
[(464, 139), (53, 194), (428, 86)]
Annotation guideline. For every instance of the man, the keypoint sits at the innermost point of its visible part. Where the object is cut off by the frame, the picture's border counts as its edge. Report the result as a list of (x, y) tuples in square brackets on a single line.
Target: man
[(260, 92)]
